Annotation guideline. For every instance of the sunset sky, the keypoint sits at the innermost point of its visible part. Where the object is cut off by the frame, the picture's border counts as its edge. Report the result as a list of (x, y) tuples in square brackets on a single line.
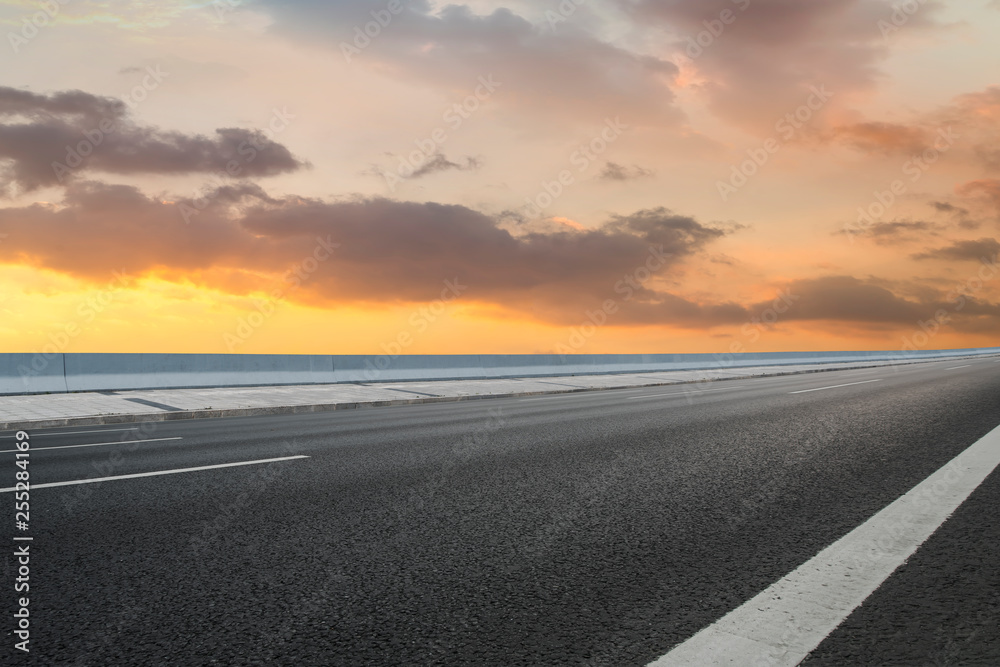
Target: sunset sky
[(302, 176)]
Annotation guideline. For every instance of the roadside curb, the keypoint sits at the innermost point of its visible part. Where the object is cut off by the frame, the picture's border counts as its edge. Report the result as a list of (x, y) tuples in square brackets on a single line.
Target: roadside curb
[(133, 418)]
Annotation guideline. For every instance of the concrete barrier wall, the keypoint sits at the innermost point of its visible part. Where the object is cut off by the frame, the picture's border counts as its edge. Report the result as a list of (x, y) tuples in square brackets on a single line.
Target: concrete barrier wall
[(417, 367), (351, 368), (32, 374), (97, 372), (60, 373)]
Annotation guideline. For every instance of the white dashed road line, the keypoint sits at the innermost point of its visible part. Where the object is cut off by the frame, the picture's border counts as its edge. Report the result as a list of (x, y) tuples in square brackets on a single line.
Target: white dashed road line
[(95, 444), (107, 430), (836, 386), (157, 473), (680, 393), (548, 398)]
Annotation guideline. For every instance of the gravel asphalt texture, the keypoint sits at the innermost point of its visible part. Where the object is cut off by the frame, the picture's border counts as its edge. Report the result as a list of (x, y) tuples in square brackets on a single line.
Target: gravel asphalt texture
[(599, 528)]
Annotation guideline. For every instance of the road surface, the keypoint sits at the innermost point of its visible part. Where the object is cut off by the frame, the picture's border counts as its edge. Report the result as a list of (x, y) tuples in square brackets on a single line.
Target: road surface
[(603, 528)]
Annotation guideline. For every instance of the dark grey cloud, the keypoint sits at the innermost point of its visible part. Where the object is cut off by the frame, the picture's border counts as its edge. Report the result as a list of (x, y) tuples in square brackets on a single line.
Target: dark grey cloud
[(438, 163), (51, 139), (945, 207), (960, 216), (900, 231), (389, 251), (568, 71), (972, 250), (762, 64), (74, 103), (899, 227), (850, 299), (403, 250), (872, 303), (613, 171)]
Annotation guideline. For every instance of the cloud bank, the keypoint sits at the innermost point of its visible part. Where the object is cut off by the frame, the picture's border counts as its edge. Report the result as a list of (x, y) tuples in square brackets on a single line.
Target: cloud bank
[(48, 140)]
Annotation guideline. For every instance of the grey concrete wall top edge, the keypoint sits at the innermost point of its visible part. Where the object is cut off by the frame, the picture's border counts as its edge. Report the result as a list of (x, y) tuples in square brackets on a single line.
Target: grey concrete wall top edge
[(577, 357)]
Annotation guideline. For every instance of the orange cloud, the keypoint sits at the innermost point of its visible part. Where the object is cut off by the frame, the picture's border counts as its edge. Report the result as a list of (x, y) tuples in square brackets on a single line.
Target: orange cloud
[(989, 187), (883, 137)]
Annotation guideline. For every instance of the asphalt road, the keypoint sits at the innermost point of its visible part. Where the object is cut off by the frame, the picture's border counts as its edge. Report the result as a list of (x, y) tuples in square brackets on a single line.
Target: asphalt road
[(600, 528)]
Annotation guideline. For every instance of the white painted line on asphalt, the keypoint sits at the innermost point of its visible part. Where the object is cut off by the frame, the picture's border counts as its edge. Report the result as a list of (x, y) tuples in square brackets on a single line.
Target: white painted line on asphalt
[(836, 386), (95, 444), (955, 368), (783, 624), (596, 394), (680, 393), (546, 398), (157, 473), (107, 430)]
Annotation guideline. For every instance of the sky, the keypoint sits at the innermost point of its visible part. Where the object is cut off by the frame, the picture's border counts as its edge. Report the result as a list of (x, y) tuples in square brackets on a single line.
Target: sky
[(421, 177)]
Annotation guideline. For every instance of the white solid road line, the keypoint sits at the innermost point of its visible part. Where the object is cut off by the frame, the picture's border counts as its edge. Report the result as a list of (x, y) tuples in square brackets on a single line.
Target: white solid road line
[(95, 444), (38, 435), (849, 384), (157, 473), (545, 398), (784, 623), (955, 368), (596, 393), (680, 393)]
